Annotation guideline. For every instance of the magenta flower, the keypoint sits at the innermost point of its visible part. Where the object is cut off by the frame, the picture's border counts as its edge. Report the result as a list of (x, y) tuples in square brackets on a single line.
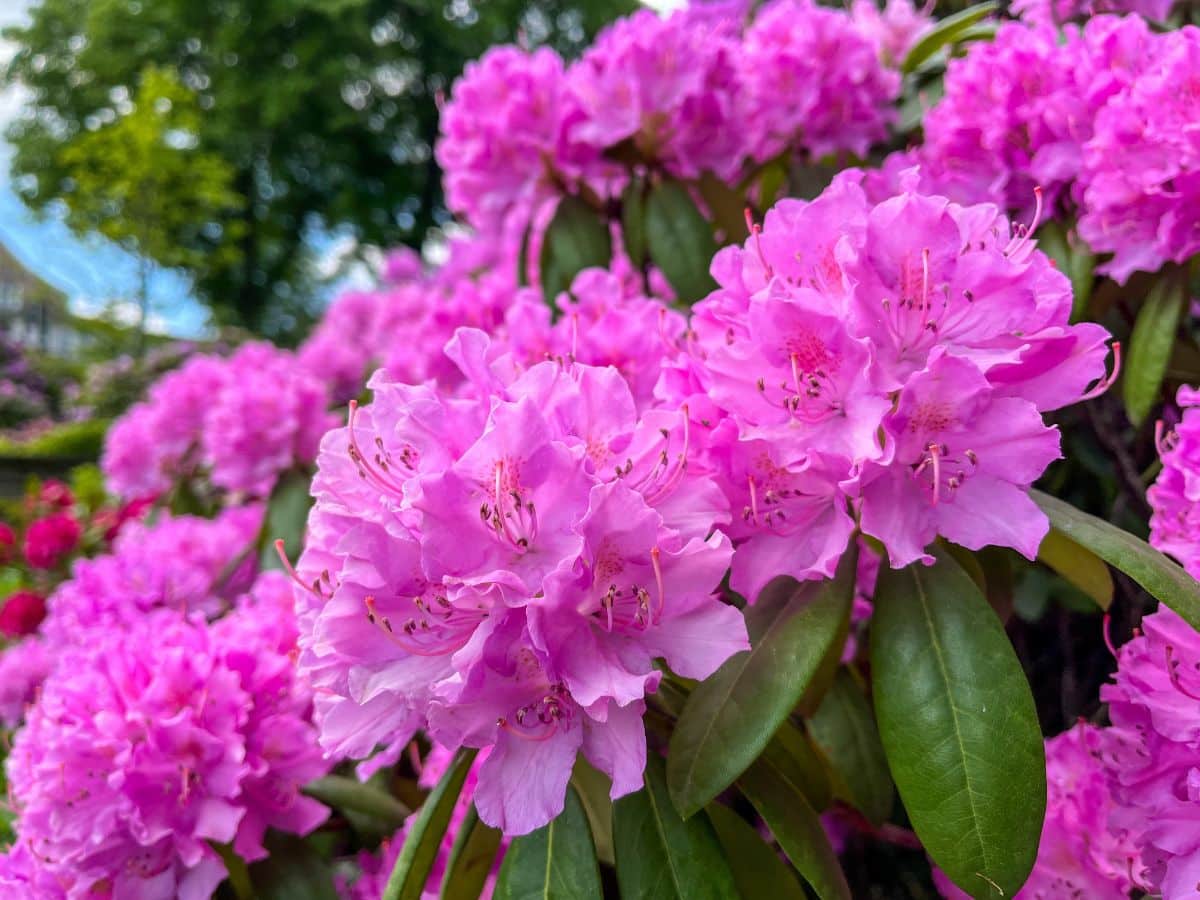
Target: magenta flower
[(894, 29), (50, 539), (1175, 495), (21, 613), (23, 668)]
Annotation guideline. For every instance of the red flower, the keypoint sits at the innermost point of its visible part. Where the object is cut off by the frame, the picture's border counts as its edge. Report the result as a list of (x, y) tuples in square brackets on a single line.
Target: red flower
[(56, 495), (8, 542), (49, 539), (21, 614)]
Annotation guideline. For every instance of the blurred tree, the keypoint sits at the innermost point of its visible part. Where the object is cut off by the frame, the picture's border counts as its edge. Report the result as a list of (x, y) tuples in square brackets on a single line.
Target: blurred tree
[(143, 182), (323, 110)]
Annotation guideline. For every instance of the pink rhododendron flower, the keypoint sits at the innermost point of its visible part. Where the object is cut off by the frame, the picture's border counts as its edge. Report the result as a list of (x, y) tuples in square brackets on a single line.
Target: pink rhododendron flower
[(894, 29), (1057, 12), (1151, 753), (23, 668), (813, 80), (502, 570), (1175, 495), (131, 763), (48, 540)]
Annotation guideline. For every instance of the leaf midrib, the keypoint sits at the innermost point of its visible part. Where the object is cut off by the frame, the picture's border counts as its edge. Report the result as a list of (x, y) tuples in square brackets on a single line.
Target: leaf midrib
[(662, 836)]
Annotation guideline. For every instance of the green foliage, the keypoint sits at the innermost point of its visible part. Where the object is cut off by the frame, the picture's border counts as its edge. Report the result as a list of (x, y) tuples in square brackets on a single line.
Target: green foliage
[(1151, 342), (680, 240), (576, 238), (556, 862), (311, 113), (71, 440), (959, 726)]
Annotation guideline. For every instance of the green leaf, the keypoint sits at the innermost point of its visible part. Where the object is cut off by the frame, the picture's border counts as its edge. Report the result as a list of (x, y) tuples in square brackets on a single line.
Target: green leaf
[(471, 859), (594, 789), (633, 221), (286, 518), (774, 177), (345, 793), (293, 870), (680, 241), (797, 828), (420, 849), (726, 206), (757, 869), (1161, 577), (523, 259), (1078, 565), (556, 862), (662, 857), (958, 725), (792, 754), (1074, 261), (1150, 344), (576, 239), (844, 728), (947, 32), (730, 717)]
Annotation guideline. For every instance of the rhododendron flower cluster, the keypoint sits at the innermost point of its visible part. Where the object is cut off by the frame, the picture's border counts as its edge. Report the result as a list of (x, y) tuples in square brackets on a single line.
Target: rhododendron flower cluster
[(888, 363), (1058, 12), (502, 570), (132, 762), (244, 420), (895, 29), (1175, 495)]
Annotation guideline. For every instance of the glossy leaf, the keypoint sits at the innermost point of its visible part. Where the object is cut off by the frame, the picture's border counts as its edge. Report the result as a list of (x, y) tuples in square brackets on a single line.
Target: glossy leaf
[(1160, 576), (730, 717), (420, 850), (1074, 260), (556, 862), (1078, 565), (286, 519), (291, 871), (797, 828), (344, 793), (633, 221), (680, 241), (757, 869), (1150, 344), (958, 725), (659, 855), (594, 789), (844, 729), (471, 859), (576, 239), (792, 753), (946, 33)]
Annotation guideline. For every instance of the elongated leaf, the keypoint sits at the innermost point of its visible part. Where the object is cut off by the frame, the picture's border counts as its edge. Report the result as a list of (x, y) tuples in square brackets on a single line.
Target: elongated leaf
[(345, 793), (595, 788), (959, 726), (729, 718), (774, 177), (1078, 565), (556, 862), (662, 857), (471, 859), (797, 828), (792, 754), (291, 871), (576, 238), (1165, 580), (726, 206), (1150, 345), (947, 32), (1073, 260), (757, 869), (633, 221), (680, 241), (844, 728), (421, 846), (286, 518)]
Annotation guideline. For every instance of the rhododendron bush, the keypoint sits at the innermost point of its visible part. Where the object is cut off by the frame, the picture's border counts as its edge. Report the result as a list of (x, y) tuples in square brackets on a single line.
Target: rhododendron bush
[(744, 498)]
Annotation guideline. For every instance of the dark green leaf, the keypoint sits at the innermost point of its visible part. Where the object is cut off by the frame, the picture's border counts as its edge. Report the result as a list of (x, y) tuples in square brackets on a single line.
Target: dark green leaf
[(844, 728), (633, 221), (774, 177), (594, 788), (1078, 565), (1073, 260), (420, 849), (523, 259), (576, 239), (471, 859), (726, 206), (958, 725), (291, 871), (1161, 577), (946, 33), (1150, 344), (662, 857), (286, 518), (556, 862), (757, 869), (680, 241), (729, 718), (797, 828), (791, 753), (345, 793)]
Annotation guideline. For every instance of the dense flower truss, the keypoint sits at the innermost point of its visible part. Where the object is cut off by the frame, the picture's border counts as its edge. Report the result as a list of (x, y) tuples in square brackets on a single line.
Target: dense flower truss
[(814, 80), (887, 363), (23, 668), (1078, 855), (1142, 167), (1058, 12), (1018, 110), (507, 137), (894, 29), (1175, 496), (1152, 753), (131, 763), (243, 420), (502, 569)]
